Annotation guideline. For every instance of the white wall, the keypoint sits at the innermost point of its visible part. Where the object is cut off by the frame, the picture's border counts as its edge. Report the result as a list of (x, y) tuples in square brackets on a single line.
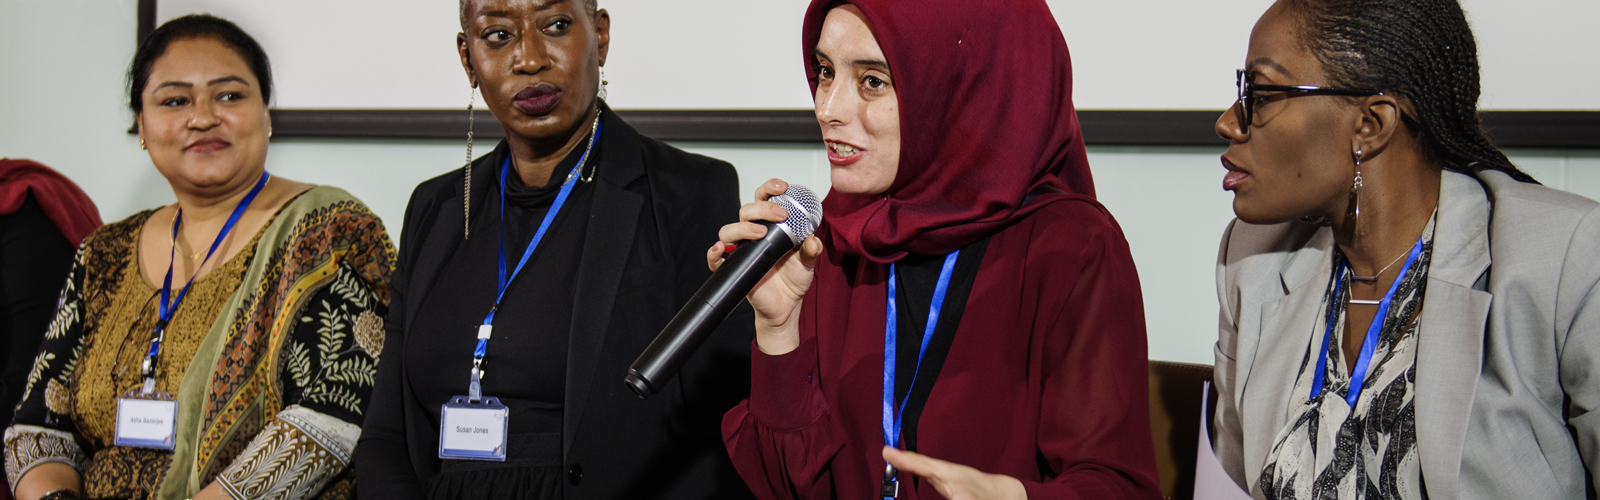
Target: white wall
[(61, 102), (1152, 54)]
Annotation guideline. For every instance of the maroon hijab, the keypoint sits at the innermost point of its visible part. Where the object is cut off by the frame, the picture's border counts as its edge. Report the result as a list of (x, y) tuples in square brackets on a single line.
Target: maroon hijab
[(62, 201), (986, 117)]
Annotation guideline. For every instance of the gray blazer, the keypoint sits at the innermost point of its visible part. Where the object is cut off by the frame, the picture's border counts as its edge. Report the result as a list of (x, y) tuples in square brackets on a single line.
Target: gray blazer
[(1508, 359)]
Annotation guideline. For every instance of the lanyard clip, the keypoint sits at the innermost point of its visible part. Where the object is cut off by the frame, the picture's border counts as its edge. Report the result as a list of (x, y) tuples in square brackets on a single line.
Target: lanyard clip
[(474, 388)]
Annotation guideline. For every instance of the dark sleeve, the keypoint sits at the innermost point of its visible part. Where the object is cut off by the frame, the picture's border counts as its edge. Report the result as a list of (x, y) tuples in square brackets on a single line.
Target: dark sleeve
[(34, 260), (383, 457), (718, 376), (1094, 423), (42, 430)]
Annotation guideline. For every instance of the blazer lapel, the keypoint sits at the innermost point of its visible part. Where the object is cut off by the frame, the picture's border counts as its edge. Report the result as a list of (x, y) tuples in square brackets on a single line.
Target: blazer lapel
[(1450, 336), (1289, 326), (613, 220)]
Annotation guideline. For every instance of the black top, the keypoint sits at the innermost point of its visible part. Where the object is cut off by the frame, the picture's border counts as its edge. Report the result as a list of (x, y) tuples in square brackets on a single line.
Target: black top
[(914, 294), (653, 212), (34, 262), (527, 360)]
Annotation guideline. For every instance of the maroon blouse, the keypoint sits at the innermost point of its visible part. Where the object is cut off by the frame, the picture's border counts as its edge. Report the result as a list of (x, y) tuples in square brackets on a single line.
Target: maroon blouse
[(1046, 380)]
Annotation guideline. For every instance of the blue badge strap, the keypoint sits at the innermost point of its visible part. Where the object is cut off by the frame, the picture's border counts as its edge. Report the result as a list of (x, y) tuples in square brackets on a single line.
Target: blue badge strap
[(891, 417), (485, 331), (166, 309), (1369, 345)]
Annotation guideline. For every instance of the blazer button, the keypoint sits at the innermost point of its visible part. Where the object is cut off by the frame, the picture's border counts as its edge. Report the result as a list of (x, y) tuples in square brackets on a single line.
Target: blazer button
[(575, 474)]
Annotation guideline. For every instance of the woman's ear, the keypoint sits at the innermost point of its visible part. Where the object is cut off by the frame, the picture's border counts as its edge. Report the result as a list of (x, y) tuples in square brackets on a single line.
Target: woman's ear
[(602, 30), (465, 51), (1377, 124)]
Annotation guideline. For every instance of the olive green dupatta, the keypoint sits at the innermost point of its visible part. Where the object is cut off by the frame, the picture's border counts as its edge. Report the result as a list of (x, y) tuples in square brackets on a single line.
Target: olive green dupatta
[(234, 425)]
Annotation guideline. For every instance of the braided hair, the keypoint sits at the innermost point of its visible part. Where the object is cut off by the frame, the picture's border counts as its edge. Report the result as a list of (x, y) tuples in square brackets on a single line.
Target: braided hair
[(1420, 51)]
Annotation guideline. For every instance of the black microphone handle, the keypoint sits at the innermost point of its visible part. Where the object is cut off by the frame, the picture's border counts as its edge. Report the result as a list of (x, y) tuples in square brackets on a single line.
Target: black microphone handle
[(706, 310)]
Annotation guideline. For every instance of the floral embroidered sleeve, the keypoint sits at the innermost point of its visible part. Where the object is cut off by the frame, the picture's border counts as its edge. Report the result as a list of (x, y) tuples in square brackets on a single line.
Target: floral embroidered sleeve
[(42, 430), (329, 368)]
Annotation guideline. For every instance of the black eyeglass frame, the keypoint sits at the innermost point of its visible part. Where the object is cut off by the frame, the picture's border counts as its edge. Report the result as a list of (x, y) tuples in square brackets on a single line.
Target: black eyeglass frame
[(1247, 97)]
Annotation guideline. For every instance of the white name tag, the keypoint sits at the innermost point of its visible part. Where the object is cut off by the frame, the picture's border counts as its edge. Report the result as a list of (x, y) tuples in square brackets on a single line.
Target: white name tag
[(146, 423), (473, 431)]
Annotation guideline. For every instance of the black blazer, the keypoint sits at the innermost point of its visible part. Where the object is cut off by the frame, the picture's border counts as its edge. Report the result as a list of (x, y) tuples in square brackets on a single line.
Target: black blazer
[(656, 209)]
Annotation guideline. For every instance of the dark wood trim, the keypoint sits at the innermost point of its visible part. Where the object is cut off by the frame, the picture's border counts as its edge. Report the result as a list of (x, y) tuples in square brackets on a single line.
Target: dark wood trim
[(1509, 129), (147, 21)]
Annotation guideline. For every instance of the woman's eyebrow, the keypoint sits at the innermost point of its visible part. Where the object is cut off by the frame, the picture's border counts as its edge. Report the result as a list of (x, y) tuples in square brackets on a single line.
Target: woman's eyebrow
[(1268, 62), (872, 63)]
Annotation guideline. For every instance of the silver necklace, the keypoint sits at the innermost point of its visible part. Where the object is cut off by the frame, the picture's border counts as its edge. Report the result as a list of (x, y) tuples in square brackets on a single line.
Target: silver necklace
[(1374, 277)]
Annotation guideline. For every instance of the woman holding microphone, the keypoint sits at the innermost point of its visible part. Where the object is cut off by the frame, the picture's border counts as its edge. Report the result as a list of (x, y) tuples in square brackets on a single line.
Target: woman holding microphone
[(968, 324)]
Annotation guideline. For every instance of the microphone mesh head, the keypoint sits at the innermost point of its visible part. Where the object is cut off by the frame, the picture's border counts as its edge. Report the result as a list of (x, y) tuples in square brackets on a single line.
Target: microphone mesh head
[(805, 212)]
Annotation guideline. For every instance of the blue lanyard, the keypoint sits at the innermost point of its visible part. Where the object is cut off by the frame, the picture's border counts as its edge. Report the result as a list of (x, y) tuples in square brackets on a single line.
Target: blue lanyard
[(1364, 361), (168, 308), (486, 330), (891, 417)]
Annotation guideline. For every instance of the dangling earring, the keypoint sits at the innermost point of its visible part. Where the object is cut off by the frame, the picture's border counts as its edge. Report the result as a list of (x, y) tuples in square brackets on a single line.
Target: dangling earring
[(141, 144), (466, 185), (1355, 190), (603, 82)]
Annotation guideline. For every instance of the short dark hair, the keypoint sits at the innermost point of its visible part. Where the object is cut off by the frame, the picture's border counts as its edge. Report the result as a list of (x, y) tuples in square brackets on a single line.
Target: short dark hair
[(190, 27), (590, 5), (1422, 51)]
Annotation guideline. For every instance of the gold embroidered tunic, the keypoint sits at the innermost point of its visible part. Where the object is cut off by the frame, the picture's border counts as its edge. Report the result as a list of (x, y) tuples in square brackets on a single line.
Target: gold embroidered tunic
[(271, 358)]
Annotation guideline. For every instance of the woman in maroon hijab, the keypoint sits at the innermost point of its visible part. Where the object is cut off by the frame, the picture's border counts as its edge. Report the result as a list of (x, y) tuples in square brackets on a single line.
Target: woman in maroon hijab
[(969, 313)]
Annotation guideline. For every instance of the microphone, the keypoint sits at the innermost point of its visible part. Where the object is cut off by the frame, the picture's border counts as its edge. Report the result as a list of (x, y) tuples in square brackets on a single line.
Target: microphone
[(726, 288)]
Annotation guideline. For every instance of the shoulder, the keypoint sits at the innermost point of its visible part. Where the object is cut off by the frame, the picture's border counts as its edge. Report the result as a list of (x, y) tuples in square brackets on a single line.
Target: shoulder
[(1061, 240), (677, 173), (1073, 223), (663, 157), (325, 205), (117, 237), (1533, 224), (1533, 208), (1256, 257)]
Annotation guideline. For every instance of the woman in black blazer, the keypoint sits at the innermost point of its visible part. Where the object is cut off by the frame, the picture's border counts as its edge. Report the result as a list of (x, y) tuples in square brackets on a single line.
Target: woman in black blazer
[(581, 293)]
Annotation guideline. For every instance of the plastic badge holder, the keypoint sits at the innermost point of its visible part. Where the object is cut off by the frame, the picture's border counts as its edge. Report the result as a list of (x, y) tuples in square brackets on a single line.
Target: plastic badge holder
[(146, 420), (473, 431)]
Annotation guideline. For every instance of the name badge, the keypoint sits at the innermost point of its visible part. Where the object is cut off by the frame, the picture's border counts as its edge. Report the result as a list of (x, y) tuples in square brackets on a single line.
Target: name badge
[(473, 431), (147, 420)]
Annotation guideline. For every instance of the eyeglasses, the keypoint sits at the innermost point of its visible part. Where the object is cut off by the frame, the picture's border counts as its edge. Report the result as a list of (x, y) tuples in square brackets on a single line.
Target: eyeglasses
[(1248, 98)]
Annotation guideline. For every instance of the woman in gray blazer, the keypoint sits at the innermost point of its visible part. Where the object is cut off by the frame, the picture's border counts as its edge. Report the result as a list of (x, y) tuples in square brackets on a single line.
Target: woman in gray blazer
[(1404, 314)]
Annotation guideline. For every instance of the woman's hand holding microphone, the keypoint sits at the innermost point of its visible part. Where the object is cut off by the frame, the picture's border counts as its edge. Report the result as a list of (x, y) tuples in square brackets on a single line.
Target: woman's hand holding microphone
[(776, 298)]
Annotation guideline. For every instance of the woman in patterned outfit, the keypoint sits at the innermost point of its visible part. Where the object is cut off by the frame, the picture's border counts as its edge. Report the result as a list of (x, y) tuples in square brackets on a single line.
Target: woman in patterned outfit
[(1405, 314), (270, 353)]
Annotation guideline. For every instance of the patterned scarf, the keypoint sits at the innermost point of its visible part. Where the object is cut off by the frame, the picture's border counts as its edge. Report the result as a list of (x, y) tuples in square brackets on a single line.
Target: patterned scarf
[(1332, 451)]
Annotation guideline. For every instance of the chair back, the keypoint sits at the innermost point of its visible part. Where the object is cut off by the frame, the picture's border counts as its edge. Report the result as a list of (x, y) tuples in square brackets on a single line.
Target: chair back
[(1174, 422)]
